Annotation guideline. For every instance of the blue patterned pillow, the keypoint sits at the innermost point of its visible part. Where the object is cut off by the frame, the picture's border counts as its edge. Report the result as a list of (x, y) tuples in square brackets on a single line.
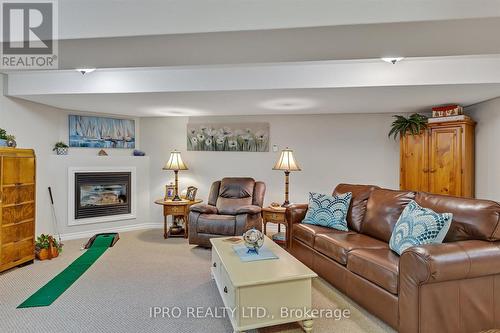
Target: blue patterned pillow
[(328, 211), (419, 226)]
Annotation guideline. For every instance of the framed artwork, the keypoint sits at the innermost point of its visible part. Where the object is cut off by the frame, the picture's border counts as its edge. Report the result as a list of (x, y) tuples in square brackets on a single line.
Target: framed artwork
[(191, 193), (169, 191), (248, 137), (101, 132)]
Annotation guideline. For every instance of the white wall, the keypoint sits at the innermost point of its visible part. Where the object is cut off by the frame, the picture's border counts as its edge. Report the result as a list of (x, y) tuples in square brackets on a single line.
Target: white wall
[(329, 148), (487, 116), (38, 126)]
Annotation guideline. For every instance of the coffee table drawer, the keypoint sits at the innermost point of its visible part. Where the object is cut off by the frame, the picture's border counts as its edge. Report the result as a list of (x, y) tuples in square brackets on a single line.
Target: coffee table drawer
[(216, 266), (227, 290)]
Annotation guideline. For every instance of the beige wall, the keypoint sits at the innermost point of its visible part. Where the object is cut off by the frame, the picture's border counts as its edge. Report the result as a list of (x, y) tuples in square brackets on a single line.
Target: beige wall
[(38, 126), (329, 148), (487, 115)]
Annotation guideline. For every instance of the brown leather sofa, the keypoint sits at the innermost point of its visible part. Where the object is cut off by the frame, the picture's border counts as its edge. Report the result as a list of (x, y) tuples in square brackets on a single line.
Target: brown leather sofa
[(449, 287), (234, 206)]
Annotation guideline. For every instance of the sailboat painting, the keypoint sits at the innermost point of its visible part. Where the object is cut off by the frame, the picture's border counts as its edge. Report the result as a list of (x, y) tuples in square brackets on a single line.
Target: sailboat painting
[(100, 132)]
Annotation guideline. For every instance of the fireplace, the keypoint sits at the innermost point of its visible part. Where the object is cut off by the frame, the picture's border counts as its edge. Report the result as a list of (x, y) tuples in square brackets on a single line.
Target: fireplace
[(100, 194)]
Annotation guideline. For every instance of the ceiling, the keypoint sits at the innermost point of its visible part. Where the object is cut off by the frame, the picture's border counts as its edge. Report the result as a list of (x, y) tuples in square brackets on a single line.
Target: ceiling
[(290, 101), (226, 57), (115, 18)]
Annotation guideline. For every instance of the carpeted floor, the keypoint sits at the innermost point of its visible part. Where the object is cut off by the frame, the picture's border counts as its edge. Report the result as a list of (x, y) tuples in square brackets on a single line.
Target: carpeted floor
[(143, 271)]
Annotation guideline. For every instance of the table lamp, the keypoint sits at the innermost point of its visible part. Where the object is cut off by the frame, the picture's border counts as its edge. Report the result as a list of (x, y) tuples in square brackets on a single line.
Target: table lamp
[(287, 163), (175, 163)]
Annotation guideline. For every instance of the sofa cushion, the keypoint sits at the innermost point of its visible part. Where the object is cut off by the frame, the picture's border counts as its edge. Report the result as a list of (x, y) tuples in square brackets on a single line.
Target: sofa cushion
[(419, 226), (307, 232), (379, 266), (382, 212), (216, 224), (328, 211), (337, 245), (357, 209), (472, 218)]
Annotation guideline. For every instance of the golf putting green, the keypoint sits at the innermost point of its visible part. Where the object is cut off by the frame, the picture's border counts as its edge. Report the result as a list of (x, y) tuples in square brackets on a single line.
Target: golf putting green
[(58, 285)]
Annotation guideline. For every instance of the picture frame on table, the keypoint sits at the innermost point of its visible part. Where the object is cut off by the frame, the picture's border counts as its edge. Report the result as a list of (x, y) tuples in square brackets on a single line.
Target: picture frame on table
[(169, 191), (191, 193)]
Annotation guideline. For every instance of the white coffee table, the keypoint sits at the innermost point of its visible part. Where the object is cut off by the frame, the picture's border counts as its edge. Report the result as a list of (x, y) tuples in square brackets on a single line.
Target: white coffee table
[(262, 293)]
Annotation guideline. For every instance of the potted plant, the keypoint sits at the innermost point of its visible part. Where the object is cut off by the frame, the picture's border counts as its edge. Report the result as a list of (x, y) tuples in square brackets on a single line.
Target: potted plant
[(61, 148), (3, 137), (47, 247), (11, 140), (414, 125)]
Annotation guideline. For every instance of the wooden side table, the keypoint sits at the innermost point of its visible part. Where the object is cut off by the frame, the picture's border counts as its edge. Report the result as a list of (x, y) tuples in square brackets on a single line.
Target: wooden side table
[(176, 208), (276, 215)]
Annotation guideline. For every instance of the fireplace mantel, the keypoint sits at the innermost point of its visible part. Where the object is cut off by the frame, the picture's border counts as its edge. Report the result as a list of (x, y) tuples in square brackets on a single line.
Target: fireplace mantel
[(72, 171)]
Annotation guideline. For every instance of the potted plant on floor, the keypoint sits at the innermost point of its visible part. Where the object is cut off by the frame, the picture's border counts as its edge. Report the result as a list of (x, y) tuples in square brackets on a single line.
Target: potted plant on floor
[(61, 148), (47, 247)]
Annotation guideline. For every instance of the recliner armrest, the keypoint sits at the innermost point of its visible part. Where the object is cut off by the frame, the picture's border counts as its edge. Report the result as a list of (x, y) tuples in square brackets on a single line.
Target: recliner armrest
[(449, 261), (295, 213), (204, 209), (248, 209)]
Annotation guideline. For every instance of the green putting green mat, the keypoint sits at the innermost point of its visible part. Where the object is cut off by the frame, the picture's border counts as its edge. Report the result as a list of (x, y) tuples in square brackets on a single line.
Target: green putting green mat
[(55, 287)]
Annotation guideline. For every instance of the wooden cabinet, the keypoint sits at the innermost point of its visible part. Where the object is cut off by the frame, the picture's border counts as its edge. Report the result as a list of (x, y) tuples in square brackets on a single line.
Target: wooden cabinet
[(17, 207), (440, 160)]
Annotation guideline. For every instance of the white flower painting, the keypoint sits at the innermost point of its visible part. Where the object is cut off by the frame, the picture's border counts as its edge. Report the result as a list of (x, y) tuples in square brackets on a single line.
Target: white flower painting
[(250, 137)]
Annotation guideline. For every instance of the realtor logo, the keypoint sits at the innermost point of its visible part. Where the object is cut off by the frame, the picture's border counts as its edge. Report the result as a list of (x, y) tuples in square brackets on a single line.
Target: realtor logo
[(29, 38)]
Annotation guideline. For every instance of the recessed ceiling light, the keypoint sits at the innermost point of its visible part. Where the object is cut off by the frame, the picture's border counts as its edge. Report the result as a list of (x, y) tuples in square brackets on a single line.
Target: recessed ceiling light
[(288, 104), (84, 71), (175, 111), (393, 60)]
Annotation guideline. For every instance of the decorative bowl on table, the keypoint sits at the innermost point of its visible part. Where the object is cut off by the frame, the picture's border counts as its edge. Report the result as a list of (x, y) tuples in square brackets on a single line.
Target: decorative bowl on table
[(254, 239)]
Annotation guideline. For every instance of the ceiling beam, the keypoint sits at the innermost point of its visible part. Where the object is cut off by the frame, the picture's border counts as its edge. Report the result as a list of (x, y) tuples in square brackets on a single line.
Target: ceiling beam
[(329, 74)]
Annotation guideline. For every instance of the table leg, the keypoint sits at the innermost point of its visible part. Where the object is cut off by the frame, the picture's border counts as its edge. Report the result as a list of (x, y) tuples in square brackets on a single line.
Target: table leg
[(288, 236), (279, 227), (186, 223), (265, 228), (165, 227)]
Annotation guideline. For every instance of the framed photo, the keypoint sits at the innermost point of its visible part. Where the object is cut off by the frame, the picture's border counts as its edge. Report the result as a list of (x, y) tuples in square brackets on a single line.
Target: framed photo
[(191, 193), (169, 191)]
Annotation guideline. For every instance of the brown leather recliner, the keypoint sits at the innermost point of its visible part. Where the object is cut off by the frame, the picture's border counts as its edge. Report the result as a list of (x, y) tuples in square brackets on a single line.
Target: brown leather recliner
[(448, 287), (234, 206)]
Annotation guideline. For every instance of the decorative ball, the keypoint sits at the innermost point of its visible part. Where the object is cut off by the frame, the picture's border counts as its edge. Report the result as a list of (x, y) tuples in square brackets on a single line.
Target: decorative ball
[(254, 239)]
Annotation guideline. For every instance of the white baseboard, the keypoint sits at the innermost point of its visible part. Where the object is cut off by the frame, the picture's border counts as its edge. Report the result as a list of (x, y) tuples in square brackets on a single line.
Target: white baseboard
[(90, 233)]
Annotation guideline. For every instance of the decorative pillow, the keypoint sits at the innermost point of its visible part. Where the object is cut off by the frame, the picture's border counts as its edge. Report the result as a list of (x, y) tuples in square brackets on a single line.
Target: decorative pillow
[(419, 226), (328, 211)]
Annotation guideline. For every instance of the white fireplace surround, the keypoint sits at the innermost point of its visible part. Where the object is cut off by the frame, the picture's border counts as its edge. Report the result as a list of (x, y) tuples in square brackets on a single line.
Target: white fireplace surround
[(101, 219)]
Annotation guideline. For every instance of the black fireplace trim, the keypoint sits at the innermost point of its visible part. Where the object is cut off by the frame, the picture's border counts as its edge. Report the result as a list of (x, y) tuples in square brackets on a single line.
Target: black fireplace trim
[(98, 178)]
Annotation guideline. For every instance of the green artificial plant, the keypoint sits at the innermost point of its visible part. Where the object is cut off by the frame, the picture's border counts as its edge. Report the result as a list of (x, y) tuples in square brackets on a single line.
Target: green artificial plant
[(414, 124)]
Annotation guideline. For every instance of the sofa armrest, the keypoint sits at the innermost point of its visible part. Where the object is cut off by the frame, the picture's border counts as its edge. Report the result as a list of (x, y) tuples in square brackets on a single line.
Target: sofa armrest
[(249, 209), (431, 276), (295, 213), (450, 261), (204, 209)]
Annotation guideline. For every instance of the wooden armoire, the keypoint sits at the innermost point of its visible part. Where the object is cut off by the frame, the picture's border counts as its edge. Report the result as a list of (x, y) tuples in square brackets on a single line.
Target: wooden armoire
[(17, 207), (440, 160)]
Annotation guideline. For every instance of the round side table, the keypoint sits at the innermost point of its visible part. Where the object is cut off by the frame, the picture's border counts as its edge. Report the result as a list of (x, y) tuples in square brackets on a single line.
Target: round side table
[(176, 209)]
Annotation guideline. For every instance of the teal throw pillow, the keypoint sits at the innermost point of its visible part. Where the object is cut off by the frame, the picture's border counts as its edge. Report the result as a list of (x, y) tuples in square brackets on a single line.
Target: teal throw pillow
[(328, 211), (419, 226)]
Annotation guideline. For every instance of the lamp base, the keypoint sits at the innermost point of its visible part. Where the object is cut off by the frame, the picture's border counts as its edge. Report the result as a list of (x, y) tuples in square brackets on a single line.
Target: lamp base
[(285, 204), (176, 198)]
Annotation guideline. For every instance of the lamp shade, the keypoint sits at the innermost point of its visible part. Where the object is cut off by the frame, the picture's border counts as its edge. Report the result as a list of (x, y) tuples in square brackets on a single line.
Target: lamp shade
[(286, 161), (175, 162)]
